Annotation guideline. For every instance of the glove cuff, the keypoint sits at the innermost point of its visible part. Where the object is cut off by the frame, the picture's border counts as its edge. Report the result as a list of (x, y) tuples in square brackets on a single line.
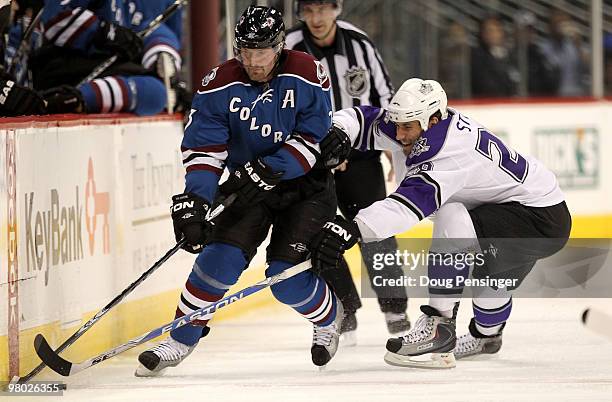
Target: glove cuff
[(347, 230)]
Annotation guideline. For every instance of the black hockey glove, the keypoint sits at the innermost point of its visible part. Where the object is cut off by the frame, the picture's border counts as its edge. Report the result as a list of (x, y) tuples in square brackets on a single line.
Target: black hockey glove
[(331, 242), (118, 40), (17, 100), (335, 148), (251, 182), (64, 99), (188, 213)]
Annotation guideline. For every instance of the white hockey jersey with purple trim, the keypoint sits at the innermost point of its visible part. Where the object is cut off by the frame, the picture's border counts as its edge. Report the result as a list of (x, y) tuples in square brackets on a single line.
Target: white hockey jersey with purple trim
[(457, 160)]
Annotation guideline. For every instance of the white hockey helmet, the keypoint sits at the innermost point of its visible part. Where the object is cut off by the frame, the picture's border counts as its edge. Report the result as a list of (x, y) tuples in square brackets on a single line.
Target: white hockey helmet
[(418, 100)]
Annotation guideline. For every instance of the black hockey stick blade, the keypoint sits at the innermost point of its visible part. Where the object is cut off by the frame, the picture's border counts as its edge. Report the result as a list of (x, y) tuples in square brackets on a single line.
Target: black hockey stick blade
[(54, 361)]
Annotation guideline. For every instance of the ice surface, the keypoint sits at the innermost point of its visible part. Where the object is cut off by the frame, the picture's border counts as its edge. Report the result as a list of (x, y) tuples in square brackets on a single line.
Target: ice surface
[(265, 356)]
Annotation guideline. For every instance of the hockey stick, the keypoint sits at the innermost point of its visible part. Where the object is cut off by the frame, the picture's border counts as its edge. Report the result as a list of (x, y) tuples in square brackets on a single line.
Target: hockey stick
[(143, 34), (211, 215), (25, 41), (170, 94), (67, 368), (598, 321)]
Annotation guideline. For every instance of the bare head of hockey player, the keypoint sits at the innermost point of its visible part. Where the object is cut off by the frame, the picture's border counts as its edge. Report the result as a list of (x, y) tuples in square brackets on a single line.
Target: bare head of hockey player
[(320, 18), (259, 40), (417, 106)]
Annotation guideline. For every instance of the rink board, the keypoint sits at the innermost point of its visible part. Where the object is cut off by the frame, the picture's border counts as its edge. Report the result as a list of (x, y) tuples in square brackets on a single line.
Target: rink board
[(84, 211)]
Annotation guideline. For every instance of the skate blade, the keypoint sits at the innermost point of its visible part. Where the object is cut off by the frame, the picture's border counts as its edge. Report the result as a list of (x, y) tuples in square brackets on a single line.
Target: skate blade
[(143, 372), (428, 361), (348, 339)]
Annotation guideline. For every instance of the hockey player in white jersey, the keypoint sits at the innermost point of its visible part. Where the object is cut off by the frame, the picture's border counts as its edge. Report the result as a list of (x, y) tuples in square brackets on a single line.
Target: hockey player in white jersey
[(480, 190)]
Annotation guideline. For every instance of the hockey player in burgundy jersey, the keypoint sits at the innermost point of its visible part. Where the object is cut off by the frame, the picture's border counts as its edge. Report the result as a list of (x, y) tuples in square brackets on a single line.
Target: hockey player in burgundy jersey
[(262, 115), (81, 34), (480, 190)]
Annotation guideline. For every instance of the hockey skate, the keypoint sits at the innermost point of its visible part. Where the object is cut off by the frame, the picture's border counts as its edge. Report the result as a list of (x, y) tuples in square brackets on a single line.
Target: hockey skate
[(168, 353), (325, 339), (348, 330), (474, 343), (429, 344), (397, 323)]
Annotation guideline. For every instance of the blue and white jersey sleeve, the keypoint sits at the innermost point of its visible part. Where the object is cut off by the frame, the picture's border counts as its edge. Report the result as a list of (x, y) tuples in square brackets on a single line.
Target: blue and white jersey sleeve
[(161, 40), (205, 144), (166, 38), (70, 23), (73, 24), (368, 128), (300, 152), (296, 157)]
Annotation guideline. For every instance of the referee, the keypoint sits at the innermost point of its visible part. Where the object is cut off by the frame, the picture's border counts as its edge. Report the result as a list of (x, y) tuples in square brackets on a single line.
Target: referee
[(358, 77)]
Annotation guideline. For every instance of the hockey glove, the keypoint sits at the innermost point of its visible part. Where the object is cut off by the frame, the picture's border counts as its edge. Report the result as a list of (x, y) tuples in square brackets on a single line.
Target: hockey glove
[(251, 182), (119, 40), (188, 213), (335, 148), (64, 99), (17, 100), (329, 245)]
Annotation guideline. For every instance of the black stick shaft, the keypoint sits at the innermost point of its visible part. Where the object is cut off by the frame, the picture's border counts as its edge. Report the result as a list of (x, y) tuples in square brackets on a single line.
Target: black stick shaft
[(25, 41)]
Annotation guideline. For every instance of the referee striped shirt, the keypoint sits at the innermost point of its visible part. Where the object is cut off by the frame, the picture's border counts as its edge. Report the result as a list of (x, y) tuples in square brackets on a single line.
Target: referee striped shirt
[(357, 72)]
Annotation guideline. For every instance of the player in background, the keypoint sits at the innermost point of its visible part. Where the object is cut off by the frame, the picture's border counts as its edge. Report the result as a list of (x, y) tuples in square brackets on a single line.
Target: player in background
[(262, 115), (481, 191), (22, 14), (16, 99), (358, 77), (81, 34)]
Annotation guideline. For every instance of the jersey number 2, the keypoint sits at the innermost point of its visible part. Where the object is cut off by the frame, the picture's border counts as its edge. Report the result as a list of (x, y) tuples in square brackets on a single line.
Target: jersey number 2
[(510, 161)]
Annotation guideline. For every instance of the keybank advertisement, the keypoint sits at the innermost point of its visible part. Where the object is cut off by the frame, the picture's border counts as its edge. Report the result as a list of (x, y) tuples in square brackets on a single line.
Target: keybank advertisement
[(85, 211), (93, 214), (66, 217)]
